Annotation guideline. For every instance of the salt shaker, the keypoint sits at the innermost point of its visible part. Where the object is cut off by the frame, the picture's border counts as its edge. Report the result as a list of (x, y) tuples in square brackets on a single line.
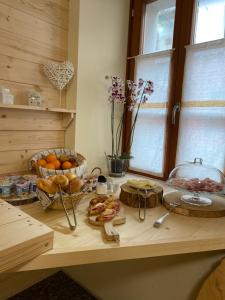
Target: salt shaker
[(101, 187)]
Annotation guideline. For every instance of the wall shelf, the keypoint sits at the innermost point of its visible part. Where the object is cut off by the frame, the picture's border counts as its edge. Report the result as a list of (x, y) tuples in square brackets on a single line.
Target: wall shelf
[(28, 107)]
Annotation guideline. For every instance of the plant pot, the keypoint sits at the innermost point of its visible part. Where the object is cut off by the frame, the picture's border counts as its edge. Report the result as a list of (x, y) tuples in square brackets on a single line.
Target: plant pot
[(117, 167)]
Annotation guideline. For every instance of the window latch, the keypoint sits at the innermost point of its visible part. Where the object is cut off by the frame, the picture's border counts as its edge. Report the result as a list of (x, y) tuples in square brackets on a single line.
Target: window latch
[(176, 109)]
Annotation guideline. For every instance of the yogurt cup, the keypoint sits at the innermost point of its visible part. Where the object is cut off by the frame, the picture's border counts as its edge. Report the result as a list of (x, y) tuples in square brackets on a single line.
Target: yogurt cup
[(22, 187), (32, 179), (6, 188)]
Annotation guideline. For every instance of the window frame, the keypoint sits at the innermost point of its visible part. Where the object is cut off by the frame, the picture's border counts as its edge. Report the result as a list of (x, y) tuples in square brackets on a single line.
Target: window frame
[(183, 25)]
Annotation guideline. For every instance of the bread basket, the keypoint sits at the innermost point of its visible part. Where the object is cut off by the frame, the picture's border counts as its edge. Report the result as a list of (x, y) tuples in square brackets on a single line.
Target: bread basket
[(51, 202), (44, 172)]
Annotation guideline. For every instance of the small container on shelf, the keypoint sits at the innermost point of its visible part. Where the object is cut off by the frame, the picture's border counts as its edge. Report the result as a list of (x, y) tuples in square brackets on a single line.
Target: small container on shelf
[(34, 99), (6, 97)]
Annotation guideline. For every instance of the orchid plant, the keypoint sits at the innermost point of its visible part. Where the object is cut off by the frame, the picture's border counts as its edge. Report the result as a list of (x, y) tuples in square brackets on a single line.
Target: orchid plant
[(131, 95)]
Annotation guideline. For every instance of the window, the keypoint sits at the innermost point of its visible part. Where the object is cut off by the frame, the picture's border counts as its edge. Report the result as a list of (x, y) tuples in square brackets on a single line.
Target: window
[(151, 121), (210, 19), (181, 48), (159, 24)]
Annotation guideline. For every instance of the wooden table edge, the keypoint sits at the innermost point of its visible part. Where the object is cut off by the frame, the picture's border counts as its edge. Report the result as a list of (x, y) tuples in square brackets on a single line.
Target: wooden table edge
[(72, 257)]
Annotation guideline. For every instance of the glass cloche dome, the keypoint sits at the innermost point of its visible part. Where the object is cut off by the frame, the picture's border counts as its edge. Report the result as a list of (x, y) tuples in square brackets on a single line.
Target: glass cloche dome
[(198, 180)]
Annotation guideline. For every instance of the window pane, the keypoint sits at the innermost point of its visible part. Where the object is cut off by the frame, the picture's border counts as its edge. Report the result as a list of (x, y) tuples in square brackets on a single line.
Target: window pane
[(204, 77), (159, 26), (148, 146), (150, 131), (202, 120), (155, 68), (202, 134), (210, 20)]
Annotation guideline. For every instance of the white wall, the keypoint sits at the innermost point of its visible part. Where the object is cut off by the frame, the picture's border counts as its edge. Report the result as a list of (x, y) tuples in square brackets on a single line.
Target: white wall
[(102, 49), (176, 277)]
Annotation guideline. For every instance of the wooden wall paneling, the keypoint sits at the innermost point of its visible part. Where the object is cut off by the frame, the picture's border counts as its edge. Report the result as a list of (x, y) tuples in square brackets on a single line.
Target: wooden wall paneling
[(28, 49), (20, 140), (16, 161), (25, 25), (21, 71), (35, 121), (63, 3), (46, 10), (31, 33), (20, 90)]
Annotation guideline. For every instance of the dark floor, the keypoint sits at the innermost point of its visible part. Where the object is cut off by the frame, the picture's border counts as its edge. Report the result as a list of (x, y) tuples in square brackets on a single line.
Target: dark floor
[(57, 286)]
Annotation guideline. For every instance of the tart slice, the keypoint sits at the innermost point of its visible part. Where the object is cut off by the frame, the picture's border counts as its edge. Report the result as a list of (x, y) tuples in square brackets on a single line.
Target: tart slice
[(96, 209), (107, 215)]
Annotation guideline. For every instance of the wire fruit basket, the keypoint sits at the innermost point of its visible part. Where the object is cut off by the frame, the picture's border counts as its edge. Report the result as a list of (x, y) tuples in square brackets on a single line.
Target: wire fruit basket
[(79, 161)]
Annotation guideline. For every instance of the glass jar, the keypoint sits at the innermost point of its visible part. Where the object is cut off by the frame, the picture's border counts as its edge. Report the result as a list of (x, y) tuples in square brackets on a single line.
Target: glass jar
[(117, 167), (6, 97)]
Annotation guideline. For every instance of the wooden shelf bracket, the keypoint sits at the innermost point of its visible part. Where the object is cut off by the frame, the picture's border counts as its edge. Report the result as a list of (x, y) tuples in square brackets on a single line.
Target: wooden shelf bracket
[(67, 119)]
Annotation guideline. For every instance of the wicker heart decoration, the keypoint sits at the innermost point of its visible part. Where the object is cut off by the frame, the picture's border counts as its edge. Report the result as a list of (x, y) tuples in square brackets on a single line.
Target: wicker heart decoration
[(59, 74)]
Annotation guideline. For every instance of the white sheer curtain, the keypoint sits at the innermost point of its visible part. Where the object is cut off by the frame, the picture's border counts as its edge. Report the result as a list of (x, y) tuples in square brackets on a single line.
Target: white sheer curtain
[(149, 137), (202, 120)]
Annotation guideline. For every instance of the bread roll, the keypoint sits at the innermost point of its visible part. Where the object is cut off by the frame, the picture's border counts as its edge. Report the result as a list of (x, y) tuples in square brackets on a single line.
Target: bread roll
[(47, 186), (61, 180), (75, 185), (52, 177), (70, 176)]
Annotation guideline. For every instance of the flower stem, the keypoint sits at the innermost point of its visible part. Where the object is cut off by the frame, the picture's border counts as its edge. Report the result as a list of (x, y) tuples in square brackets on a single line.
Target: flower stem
[(131, 135), (119, 132), (112, 126)]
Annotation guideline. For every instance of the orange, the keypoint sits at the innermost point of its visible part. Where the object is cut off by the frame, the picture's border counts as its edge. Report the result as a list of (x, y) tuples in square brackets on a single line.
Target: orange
[(74, 164), (56, 163), (42, 162), (50, 166), (51, 157), (67, 165)]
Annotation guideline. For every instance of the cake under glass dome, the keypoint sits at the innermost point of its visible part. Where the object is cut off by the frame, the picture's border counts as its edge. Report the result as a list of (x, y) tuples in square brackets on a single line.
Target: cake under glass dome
[(197, 181)]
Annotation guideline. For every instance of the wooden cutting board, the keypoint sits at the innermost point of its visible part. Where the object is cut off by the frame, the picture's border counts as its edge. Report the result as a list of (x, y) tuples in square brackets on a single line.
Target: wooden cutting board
[(111, 234), (21, 237), (215, 210)]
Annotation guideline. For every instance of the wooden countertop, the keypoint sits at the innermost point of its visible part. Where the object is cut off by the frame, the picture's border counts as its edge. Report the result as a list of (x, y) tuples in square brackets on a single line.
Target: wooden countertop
[(179, 234)]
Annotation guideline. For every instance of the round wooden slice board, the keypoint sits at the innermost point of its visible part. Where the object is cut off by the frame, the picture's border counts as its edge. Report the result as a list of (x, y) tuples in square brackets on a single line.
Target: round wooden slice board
[(215, 210), (130, 196)]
